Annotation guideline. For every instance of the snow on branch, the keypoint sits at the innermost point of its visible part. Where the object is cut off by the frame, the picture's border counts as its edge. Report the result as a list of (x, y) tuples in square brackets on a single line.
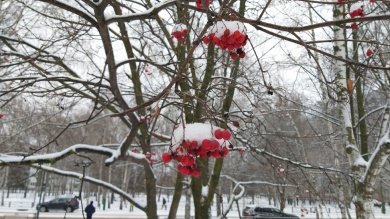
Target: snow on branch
[(148, 14), (71, 8), (92, 180), (52, 157)]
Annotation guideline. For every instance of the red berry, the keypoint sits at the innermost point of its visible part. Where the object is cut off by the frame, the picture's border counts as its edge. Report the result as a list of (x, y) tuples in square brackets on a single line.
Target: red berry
[(230, 47), (354, 26), (206, 144), (178, 158), (187, 160), (200, 5), (206, 40), (233, 55), (216, 154), (226, 32), (1, 116), (369, 52), (218, 134), (166, 157), (186, 144), (226, 134), (224, 151), (202, 153), (241, 54), (215, 40), (183, 169), (195, 172), (214, 145), (194, 144), (236, 123)]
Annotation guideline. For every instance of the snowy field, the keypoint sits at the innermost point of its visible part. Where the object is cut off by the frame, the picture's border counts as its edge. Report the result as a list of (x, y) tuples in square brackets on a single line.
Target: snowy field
[(17, 204)]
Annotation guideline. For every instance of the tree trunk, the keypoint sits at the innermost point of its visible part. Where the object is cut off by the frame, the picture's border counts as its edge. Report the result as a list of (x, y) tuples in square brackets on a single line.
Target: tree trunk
[(187, 213), (282, 198), (364, 203), (176, 196)]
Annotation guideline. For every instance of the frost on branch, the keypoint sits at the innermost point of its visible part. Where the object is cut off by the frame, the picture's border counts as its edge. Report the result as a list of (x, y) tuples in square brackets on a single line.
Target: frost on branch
[(230, 36), (196, 141)]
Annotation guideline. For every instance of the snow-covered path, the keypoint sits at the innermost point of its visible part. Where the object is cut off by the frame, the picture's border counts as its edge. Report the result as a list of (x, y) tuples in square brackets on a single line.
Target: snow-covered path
[(17, 207)]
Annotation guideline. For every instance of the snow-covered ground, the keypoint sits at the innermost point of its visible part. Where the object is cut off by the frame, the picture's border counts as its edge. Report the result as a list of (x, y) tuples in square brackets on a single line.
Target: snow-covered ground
[(17, 203)]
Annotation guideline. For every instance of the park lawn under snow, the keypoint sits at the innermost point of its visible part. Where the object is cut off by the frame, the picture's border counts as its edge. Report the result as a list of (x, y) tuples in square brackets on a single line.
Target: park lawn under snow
[(16, 203)]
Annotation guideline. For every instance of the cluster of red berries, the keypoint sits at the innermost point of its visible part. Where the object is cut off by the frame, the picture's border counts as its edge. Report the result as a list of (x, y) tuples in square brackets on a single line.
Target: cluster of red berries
[(179, 32), (232, 42), (357, 12), (199, 3), (188, 151), (180, 35)]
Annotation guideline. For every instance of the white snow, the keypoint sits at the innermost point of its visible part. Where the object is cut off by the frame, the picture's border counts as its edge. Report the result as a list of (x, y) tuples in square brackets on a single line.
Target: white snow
[(147, 12), (16, 204), (220, 26), (359, 161), (51, 156), (356, 5), (205, 191), (194, 132)]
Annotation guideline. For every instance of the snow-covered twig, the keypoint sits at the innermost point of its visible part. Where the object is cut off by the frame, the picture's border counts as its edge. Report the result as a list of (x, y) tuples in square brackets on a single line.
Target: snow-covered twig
[(53, 157), (71, 8), (148, 14)]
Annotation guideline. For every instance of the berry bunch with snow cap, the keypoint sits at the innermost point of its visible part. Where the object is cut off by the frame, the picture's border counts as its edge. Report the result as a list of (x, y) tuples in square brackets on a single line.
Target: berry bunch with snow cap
[(179, 32), (196, 141), (228, 35)]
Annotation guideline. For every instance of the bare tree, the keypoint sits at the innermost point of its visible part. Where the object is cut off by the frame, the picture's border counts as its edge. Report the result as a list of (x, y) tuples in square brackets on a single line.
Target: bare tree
[(117, 60)]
